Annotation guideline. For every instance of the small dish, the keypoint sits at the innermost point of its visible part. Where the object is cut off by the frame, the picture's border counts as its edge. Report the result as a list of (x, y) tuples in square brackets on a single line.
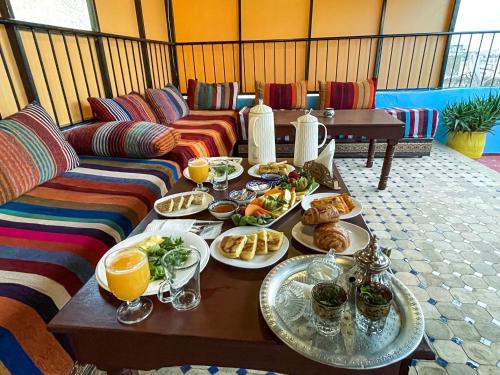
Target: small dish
[(258, 186), (243, 196), (221, 208), (273, 178)]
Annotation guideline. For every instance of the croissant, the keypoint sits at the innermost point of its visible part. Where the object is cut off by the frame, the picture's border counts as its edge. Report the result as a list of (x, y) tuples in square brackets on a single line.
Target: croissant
[(319, 215), (329, 236)]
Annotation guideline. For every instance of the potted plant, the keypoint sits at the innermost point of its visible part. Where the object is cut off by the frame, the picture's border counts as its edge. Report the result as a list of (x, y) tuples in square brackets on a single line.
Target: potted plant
[(467, 123)]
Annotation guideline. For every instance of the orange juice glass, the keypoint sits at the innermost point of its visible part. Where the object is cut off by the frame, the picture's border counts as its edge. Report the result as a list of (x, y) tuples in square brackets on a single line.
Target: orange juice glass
[(127, 274), (198, 171)]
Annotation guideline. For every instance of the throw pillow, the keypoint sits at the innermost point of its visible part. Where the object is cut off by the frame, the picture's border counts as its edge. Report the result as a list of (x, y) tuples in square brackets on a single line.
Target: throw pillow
[(168, 103), (347, 95), (212, 95), (282, 95), (131, 107), (33, 151), (123, 139)]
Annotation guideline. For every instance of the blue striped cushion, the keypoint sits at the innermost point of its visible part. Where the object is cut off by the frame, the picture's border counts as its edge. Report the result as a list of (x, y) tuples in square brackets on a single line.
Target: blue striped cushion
[(168, 103)]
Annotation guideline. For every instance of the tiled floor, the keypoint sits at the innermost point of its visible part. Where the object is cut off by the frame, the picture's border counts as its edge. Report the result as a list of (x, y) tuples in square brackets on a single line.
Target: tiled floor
[(492, 161), (441, 216)]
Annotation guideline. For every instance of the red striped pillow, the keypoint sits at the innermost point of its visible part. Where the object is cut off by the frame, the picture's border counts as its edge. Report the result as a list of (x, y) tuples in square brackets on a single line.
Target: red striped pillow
[(33, 151), (131, 107), (282, 95), (135, 139), (347, 95), (212, 95)]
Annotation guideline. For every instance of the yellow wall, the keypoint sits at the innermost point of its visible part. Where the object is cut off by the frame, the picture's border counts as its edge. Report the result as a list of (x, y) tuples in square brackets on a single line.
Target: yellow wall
[(155, 21), (117, 17)]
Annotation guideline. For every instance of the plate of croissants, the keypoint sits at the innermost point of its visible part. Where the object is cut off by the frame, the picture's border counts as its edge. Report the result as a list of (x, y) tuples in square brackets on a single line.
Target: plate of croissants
[(346, 205), (321, 229)]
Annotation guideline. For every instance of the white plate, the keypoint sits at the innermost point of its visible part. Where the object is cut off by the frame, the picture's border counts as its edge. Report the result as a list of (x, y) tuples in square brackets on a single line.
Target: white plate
[(237, 173), (253, 171), (359, 237), (259, 261), (193, 209), (306, 204), (190, 239)]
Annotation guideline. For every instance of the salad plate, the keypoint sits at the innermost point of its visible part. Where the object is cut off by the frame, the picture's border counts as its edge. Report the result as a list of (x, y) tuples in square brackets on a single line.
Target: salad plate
[(359, 237), (188, 240), (358, 208), (235, 169), (192, 209), (254, 170)]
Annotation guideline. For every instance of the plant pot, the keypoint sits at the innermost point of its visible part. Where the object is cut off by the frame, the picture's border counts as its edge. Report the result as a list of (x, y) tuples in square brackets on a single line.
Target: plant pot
[(470, 144)]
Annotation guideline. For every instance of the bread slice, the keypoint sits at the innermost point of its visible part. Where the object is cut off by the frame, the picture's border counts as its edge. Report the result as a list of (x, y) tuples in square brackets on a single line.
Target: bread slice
[(232, 246), (178, 201), (198, 198), (261, 242), (248, 251), (188, 199), (274, 240)]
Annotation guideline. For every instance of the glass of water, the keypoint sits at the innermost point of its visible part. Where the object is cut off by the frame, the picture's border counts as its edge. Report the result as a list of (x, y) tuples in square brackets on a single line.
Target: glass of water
[(328, 304), (219, 174)]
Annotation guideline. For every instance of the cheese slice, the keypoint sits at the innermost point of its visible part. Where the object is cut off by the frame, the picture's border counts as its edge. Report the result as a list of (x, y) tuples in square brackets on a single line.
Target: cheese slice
[(188, 199), (261, 242), (178, 201), (198, 199), (274, 240), (231, 246), (248, 251)]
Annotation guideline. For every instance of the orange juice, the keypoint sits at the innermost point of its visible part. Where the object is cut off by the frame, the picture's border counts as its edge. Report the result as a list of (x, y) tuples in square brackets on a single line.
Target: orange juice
[(198, 170), (128, 274)]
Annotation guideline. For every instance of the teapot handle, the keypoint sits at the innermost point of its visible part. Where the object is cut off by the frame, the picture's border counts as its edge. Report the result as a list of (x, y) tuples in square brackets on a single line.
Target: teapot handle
[(326, 134), (255, 119)]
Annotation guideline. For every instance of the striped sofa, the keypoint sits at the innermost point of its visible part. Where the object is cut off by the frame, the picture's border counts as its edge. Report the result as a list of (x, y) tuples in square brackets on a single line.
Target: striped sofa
[(50, 241)]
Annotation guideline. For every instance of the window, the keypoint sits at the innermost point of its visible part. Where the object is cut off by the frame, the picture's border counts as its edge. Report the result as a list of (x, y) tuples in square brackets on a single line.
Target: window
[(66, 13)]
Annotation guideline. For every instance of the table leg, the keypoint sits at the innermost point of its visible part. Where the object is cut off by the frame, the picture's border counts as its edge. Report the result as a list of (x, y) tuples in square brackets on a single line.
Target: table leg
[(371, 153), (386, 167)]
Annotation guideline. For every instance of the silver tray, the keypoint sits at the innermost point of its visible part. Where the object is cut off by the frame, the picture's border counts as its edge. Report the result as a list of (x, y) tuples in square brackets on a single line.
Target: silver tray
[(350, 348)]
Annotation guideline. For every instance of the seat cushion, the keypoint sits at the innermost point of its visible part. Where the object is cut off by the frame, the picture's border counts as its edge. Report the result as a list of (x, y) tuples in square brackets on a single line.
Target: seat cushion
[(419, 122), (51, 239), (212, 95), (347, 95), (135, 139), (282, 95), (168, 103), (33, 151), (131, 107)]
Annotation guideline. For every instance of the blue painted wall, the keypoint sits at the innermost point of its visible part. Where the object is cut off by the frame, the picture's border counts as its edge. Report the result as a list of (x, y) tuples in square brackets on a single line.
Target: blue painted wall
[(422, 98)]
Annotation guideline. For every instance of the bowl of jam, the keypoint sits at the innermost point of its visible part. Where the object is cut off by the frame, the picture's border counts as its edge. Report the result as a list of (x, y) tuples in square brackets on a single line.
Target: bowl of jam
[(223, 209)]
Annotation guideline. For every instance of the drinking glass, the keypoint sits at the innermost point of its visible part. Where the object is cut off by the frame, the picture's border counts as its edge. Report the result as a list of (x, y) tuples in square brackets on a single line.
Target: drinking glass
[(370, 317), (182, 271), (219, 175), (327, 314), (198, 171), (127, 273)]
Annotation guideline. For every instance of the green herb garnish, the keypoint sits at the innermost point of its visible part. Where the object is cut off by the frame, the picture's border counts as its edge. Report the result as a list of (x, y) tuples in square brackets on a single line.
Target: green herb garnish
[(372, 295), (219, 170), (156, 252)]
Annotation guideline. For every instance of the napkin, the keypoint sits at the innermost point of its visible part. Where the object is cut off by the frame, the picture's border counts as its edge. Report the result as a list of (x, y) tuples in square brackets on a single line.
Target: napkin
[(208, 232), (326, 156)]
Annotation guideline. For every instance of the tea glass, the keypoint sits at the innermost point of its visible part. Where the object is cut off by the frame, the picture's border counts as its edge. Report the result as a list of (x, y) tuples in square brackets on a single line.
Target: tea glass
[(198, 172), (219, 175), (127, 274), (370, 318), (182, 271), (327, 317)]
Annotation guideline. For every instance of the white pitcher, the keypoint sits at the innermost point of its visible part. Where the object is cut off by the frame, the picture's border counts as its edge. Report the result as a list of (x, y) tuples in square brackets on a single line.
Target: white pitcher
[(261, 142), (306, 139)]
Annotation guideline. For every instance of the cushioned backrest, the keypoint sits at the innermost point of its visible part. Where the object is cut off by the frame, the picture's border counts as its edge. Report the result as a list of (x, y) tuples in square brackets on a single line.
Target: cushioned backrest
[(168, 103), (131, 107), (282, 95), (212, 95), (347, 95), (33, 151)]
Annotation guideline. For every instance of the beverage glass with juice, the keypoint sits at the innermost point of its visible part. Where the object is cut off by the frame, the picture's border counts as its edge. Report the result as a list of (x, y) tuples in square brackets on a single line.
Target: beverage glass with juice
[(127, 274), (198, 171)]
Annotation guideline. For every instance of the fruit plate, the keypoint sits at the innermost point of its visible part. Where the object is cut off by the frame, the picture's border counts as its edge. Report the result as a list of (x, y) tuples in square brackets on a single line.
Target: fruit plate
[(259, 261), (193, 209), (254, 171), (306, 204), (190, 239), (360, 238)]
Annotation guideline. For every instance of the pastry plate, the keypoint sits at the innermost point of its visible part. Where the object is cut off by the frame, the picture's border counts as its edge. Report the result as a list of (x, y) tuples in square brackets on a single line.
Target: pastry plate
[(254, 171), (259, 261), (190, 239), (306, 204), (237, 173), (359, 237), (193, 209)]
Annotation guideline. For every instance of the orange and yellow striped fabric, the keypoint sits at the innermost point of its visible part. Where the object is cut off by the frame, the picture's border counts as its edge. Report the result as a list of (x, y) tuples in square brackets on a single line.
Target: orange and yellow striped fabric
[(347, 95), (282, 95)]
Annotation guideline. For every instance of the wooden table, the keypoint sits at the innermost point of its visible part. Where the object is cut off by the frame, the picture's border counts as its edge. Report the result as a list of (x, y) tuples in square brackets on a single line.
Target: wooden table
[(227, 329)]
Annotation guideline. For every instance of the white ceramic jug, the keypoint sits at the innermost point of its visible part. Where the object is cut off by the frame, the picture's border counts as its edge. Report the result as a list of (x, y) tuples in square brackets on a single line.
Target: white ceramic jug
[(306, 139), (261, 142)]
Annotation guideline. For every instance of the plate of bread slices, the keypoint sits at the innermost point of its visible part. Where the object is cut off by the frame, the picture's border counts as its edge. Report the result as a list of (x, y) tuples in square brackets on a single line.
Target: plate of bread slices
[(281, 168), (183, 204), (321, 229), (249, 247), (346, 205)]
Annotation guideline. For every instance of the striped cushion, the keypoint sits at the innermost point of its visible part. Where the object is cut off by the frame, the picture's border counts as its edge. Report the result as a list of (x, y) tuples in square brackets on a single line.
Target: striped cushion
[(419, 122), (212, 95), (131, 107), (168, 103), (282, 95), (33, 150), (51, 239), (347, 95), (123, 139)]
